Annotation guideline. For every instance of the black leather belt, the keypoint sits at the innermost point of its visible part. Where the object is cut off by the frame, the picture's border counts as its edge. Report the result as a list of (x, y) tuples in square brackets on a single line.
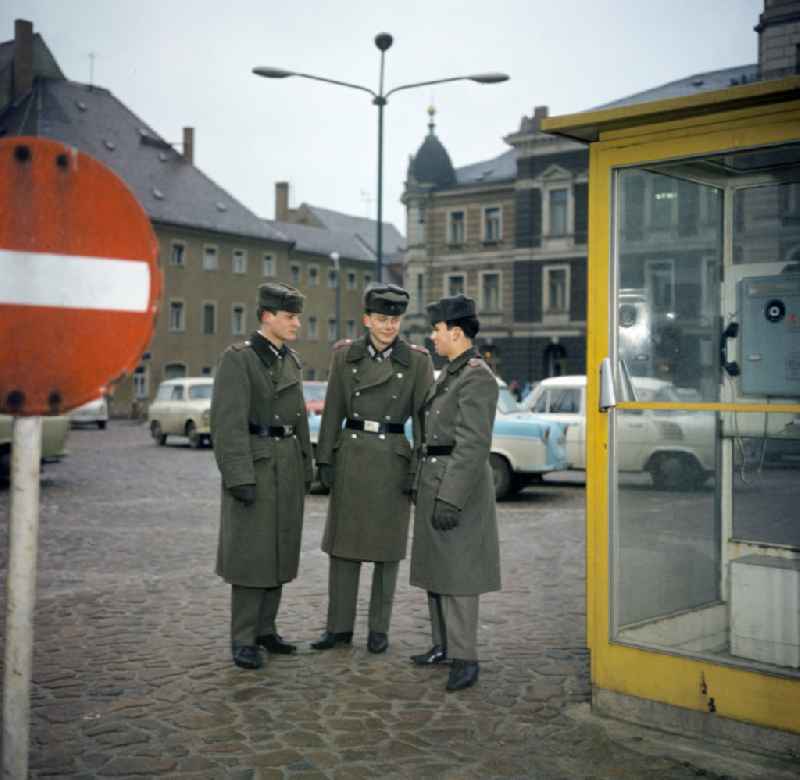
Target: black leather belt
[(439, 449), (272, 431), (373, 426)]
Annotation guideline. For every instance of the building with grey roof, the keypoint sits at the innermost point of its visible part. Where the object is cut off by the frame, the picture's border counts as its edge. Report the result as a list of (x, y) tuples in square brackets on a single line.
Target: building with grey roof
[(214, 251)]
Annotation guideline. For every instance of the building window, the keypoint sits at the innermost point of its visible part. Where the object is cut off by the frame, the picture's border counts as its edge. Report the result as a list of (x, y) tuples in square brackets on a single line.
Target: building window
[(351, 280), (209, 318), (206, 370), (268, 265), (313, 276), (333, 278), (311, 374), (294, 274), (141, 383), (663, 208), (239, 261), (558, 212), (238, 319), (210, 258), (555, 289), (332, 330), (420, 293), (490, 291), (177, 317), (492, 224), (174, 371), (455, 284), (455, 227), (178, 254), (660, 281), (351, 329), (367, 279), (312, 329)]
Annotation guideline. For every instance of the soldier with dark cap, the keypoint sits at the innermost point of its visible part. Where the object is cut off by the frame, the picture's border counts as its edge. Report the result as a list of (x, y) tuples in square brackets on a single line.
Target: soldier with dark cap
[(261, 443), (375, 384), (455, 554)]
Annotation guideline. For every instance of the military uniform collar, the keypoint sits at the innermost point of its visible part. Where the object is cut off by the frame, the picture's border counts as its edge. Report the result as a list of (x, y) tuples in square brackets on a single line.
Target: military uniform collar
[(266, 350), (461, 360), (400, 351)]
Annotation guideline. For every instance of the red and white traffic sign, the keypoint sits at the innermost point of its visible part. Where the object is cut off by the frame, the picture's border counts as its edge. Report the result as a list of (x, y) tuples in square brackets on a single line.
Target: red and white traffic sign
[(79, 277)]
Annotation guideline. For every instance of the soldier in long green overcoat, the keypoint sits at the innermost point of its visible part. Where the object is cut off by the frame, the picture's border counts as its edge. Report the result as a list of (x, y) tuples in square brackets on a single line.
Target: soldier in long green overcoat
[(261, 443), (455, 553), (375, 385)]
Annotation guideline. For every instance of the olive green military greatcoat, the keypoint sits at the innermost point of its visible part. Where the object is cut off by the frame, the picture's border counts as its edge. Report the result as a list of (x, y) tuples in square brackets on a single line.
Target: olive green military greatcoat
[(459, 410), (369, 512), (259, 545)]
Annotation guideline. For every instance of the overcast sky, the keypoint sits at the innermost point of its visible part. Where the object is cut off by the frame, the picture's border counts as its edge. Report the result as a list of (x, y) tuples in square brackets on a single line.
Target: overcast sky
[(188, 63)]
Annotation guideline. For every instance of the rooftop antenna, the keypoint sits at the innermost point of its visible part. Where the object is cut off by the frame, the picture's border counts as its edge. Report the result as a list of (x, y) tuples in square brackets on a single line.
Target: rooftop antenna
[(367, 200), (92, 55)]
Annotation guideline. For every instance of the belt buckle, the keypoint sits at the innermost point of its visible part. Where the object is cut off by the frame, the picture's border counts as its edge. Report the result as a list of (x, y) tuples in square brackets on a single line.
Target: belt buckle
[(288, 430), (372, 426)]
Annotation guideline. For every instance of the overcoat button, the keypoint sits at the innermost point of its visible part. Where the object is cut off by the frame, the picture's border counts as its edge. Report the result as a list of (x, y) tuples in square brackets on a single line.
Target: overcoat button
[(388, 417), (353, 436), (358, 393), (399, 376), (355, 370), (433, 460), (381, 435)]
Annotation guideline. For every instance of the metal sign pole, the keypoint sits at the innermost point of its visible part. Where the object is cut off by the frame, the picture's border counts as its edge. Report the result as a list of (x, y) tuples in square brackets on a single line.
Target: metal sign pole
[(21, 594)]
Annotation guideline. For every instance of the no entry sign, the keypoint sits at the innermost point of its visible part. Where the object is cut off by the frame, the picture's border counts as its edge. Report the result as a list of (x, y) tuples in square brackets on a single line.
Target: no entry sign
[(79, 279)]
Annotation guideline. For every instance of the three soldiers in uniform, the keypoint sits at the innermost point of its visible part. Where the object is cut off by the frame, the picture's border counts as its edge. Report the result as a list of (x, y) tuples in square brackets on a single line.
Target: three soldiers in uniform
[(376, 384)]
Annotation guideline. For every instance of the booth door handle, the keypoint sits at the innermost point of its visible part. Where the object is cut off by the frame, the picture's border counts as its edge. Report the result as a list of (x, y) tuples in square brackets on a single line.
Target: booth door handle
[(608, 394)]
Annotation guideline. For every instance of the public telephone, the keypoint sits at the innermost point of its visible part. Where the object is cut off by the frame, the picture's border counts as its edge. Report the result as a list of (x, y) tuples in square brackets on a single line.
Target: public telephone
[(769, 336)]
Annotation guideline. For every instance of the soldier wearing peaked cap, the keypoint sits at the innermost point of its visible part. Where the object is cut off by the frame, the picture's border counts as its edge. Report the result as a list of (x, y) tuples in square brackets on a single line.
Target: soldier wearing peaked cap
[(261, 443), (455, 553), (375, 385)]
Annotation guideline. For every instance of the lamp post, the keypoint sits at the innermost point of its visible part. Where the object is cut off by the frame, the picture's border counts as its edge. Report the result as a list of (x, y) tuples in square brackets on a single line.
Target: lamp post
[(335, 259), (383, 41)]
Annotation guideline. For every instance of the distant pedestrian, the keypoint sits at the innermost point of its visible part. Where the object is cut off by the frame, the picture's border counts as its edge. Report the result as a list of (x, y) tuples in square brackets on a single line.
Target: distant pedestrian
[(375, 385), (515, 390), (455, 554), (261, 443)]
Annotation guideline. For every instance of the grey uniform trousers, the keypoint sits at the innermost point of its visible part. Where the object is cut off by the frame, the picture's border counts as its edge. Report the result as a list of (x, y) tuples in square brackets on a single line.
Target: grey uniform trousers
[(253, 612), (343, 577), (455, 627)]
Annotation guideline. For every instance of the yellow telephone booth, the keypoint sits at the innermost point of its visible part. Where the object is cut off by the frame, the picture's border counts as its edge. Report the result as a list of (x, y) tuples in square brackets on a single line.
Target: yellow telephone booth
[(693, 410)]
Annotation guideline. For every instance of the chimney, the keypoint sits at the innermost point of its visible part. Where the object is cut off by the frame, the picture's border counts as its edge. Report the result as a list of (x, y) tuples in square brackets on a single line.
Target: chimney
[(188, 145), (539, 113), (282, 201), (23, 58)]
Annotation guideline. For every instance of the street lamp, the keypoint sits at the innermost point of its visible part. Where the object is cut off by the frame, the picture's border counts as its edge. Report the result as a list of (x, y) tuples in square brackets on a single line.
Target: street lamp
[(335, 259), (383, 41)]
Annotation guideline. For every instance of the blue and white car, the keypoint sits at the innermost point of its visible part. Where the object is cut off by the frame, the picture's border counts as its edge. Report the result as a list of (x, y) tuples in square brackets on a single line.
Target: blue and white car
[(524, 445)]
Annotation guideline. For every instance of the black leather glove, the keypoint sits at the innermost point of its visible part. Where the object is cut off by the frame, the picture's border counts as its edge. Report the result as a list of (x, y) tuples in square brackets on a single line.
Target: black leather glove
[(327, 474), (445, 516), (244, 493)]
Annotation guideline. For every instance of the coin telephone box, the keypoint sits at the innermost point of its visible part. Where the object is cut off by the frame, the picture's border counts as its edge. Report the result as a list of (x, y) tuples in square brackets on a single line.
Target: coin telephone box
[(769, 314)]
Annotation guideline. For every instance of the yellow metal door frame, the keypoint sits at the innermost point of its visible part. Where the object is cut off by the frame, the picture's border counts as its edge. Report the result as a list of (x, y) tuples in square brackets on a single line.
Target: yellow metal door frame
[(739, 693)]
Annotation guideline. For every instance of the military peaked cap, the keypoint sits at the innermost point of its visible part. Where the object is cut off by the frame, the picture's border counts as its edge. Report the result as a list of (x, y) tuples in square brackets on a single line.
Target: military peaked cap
[(454, 308), (280, 297), (385, 299)]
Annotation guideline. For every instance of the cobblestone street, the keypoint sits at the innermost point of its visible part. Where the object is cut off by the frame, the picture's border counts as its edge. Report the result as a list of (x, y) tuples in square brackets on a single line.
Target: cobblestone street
[(132, 671)]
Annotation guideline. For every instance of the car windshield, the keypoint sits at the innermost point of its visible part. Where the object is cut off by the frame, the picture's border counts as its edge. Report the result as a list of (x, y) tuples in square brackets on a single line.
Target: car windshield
[(314, 392), (506, 403), (200, 392)]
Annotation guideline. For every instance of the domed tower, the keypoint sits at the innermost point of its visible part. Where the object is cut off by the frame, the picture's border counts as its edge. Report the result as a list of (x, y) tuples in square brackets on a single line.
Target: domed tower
[(429, 169)]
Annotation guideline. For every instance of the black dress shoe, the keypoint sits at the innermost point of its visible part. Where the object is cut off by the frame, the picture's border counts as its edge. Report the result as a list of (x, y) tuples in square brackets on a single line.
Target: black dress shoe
[(463, 674), (330, 639), (377, 642), (274, 644), (436, 655), (246, 656)]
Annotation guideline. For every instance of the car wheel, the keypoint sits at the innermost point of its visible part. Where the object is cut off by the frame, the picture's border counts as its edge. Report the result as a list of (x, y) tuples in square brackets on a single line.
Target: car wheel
[(158, 436), (195, 439), (676, 471), (503, 477), (101, 424)]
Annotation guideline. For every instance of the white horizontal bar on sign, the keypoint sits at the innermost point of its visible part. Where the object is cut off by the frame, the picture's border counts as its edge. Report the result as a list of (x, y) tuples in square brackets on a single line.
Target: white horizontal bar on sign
[(74, 282)]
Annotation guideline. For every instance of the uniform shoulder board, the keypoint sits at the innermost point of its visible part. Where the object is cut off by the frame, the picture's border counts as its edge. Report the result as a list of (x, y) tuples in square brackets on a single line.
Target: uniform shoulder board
[(296, 358), (475, 362), (342, 343), (240, 346), (418, 348)]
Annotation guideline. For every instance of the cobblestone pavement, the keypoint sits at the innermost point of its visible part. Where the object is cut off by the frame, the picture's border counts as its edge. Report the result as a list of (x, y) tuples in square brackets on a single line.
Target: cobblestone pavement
[(132, 675)]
